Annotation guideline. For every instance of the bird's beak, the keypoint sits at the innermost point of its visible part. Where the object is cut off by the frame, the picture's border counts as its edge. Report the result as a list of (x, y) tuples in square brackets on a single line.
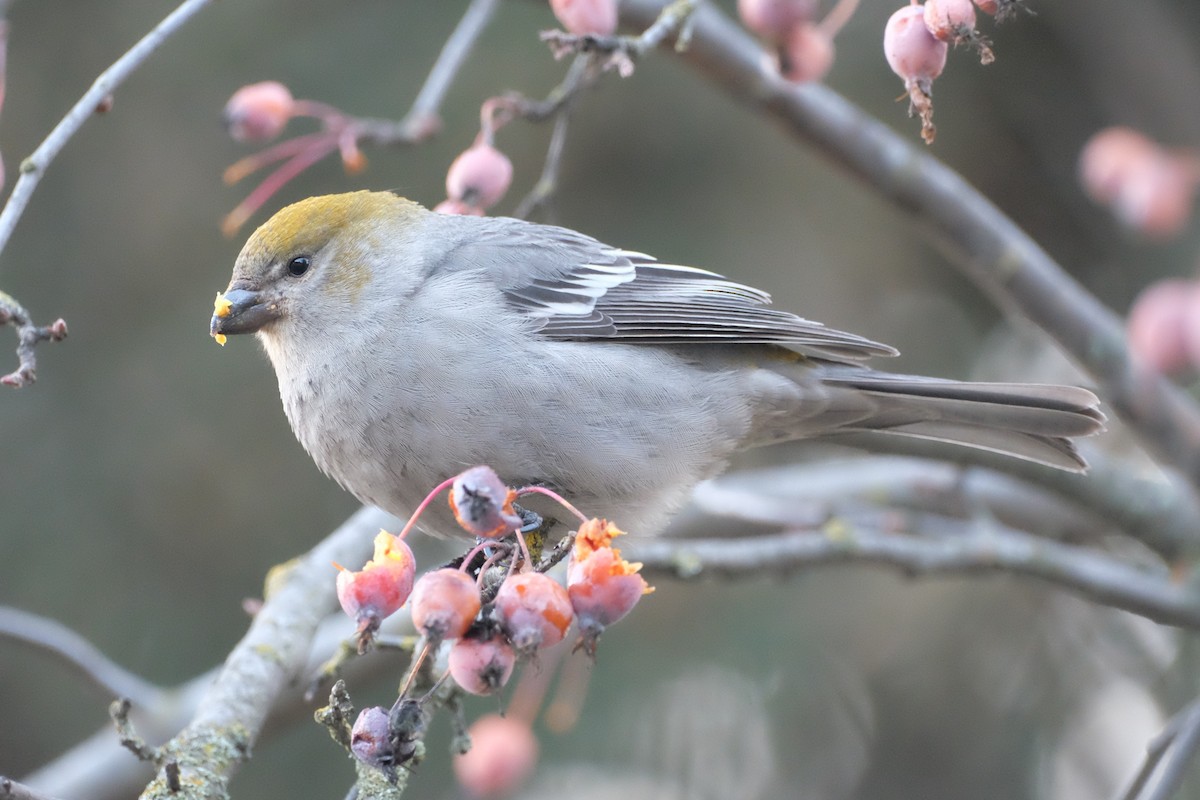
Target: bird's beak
[(241, 311)]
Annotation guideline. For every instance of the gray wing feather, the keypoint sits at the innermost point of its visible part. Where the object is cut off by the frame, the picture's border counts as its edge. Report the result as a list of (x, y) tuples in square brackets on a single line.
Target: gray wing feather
[(574, 287)]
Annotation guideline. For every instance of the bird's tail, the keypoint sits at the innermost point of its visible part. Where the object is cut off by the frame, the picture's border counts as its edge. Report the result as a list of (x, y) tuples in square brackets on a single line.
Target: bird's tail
[(1031, 421)]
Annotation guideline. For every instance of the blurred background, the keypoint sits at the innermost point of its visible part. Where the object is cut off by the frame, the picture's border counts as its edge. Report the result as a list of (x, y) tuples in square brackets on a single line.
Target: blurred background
[(149, 478)]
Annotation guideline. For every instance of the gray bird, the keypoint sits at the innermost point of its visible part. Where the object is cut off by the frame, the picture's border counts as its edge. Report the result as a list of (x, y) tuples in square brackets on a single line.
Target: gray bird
[(411, 345)]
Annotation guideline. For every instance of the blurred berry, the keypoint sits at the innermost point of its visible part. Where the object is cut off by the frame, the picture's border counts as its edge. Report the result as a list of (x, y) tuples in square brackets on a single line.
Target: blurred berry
[(535, 610), (807, 53), (581, 17), (444, 603), (1148, 188), (258, 112), (774, 19), (503, 754), (1158, 327)]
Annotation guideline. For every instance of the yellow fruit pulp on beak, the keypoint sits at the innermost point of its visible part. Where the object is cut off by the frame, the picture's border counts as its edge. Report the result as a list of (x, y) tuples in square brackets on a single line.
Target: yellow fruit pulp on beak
[(221, 306)]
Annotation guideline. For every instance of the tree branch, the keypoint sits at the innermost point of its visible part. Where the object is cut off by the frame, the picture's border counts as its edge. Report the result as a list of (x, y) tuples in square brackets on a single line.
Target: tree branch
[(975, 234)]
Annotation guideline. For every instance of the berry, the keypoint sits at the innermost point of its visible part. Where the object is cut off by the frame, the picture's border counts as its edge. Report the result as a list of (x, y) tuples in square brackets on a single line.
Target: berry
[(369, 738), (503, 753), (380, 588), (582, 17), (457, 207), (774, 19), (954, 21), (259, 112), (482, 504), (481, 666), (444, 603), (602, 586), (479, 176), (918, 57), (535, 610), (807, 53), (1158, 327)]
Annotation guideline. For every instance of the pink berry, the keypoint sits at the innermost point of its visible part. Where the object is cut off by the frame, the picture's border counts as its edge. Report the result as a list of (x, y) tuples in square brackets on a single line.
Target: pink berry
[(946, 18), (807, 53), (482, 504), (1149, 188), (444, 603), (503, 753), (369, 738), (988, 6), (602, 586), (380, 588), (535, 610), (1157, 326), (582, 17), (912, 51), (774, 19), (481, 666), (479, 176), (258, 112)]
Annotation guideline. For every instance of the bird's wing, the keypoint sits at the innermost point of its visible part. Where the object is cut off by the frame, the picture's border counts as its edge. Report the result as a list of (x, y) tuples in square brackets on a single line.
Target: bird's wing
[(575, 287)]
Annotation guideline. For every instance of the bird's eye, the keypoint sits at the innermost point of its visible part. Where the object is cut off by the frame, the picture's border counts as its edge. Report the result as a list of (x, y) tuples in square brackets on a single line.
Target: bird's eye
[(299, 265)]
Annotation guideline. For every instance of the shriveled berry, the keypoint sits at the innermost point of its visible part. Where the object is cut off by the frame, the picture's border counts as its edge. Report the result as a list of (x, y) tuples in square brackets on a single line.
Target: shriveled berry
[(503, 753), (535, 610), (582, 17), (479, 176), (259, 112), (807, 53), (774, 19), (481, 666), (369, 738), (444, 603), (1158, 327), (482, 504)]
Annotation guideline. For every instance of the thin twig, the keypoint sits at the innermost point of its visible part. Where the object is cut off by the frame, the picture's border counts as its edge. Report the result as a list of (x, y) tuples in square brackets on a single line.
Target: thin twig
[(984, 547), (1172, 750), (29, 336), (975, 235), (11, 790), (34, 167), (58, 640), (674, 19), (423, 119)]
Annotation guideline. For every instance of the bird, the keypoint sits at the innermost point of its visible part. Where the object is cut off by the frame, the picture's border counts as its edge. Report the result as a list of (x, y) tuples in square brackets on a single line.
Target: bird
[(410, 345)]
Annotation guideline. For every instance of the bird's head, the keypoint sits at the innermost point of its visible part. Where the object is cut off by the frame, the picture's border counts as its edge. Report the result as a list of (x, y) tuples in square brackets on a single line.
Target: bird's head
[(316, 261)]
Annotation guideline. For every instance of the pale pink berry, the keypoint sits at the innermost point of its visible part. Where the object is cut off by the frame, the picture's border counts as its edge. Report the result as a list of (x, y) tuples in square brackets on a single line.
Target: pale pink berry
[(1109, 157), (481, 666), (259, 112), (1149, 188), (458, 207), (912, 51), (807, 53), (773, 19), (444, 603), (1157, 326), (953, 21), (582, 17), (535, 610), (503, 753), (482, 504), (479, 176), (369, 738)]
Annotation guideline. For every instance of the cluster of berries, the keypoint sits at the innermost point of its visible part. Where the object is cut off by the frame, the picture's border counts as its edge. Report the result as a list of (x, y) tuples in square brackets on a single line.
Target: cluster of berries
[(489, 627), (916, 41)]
